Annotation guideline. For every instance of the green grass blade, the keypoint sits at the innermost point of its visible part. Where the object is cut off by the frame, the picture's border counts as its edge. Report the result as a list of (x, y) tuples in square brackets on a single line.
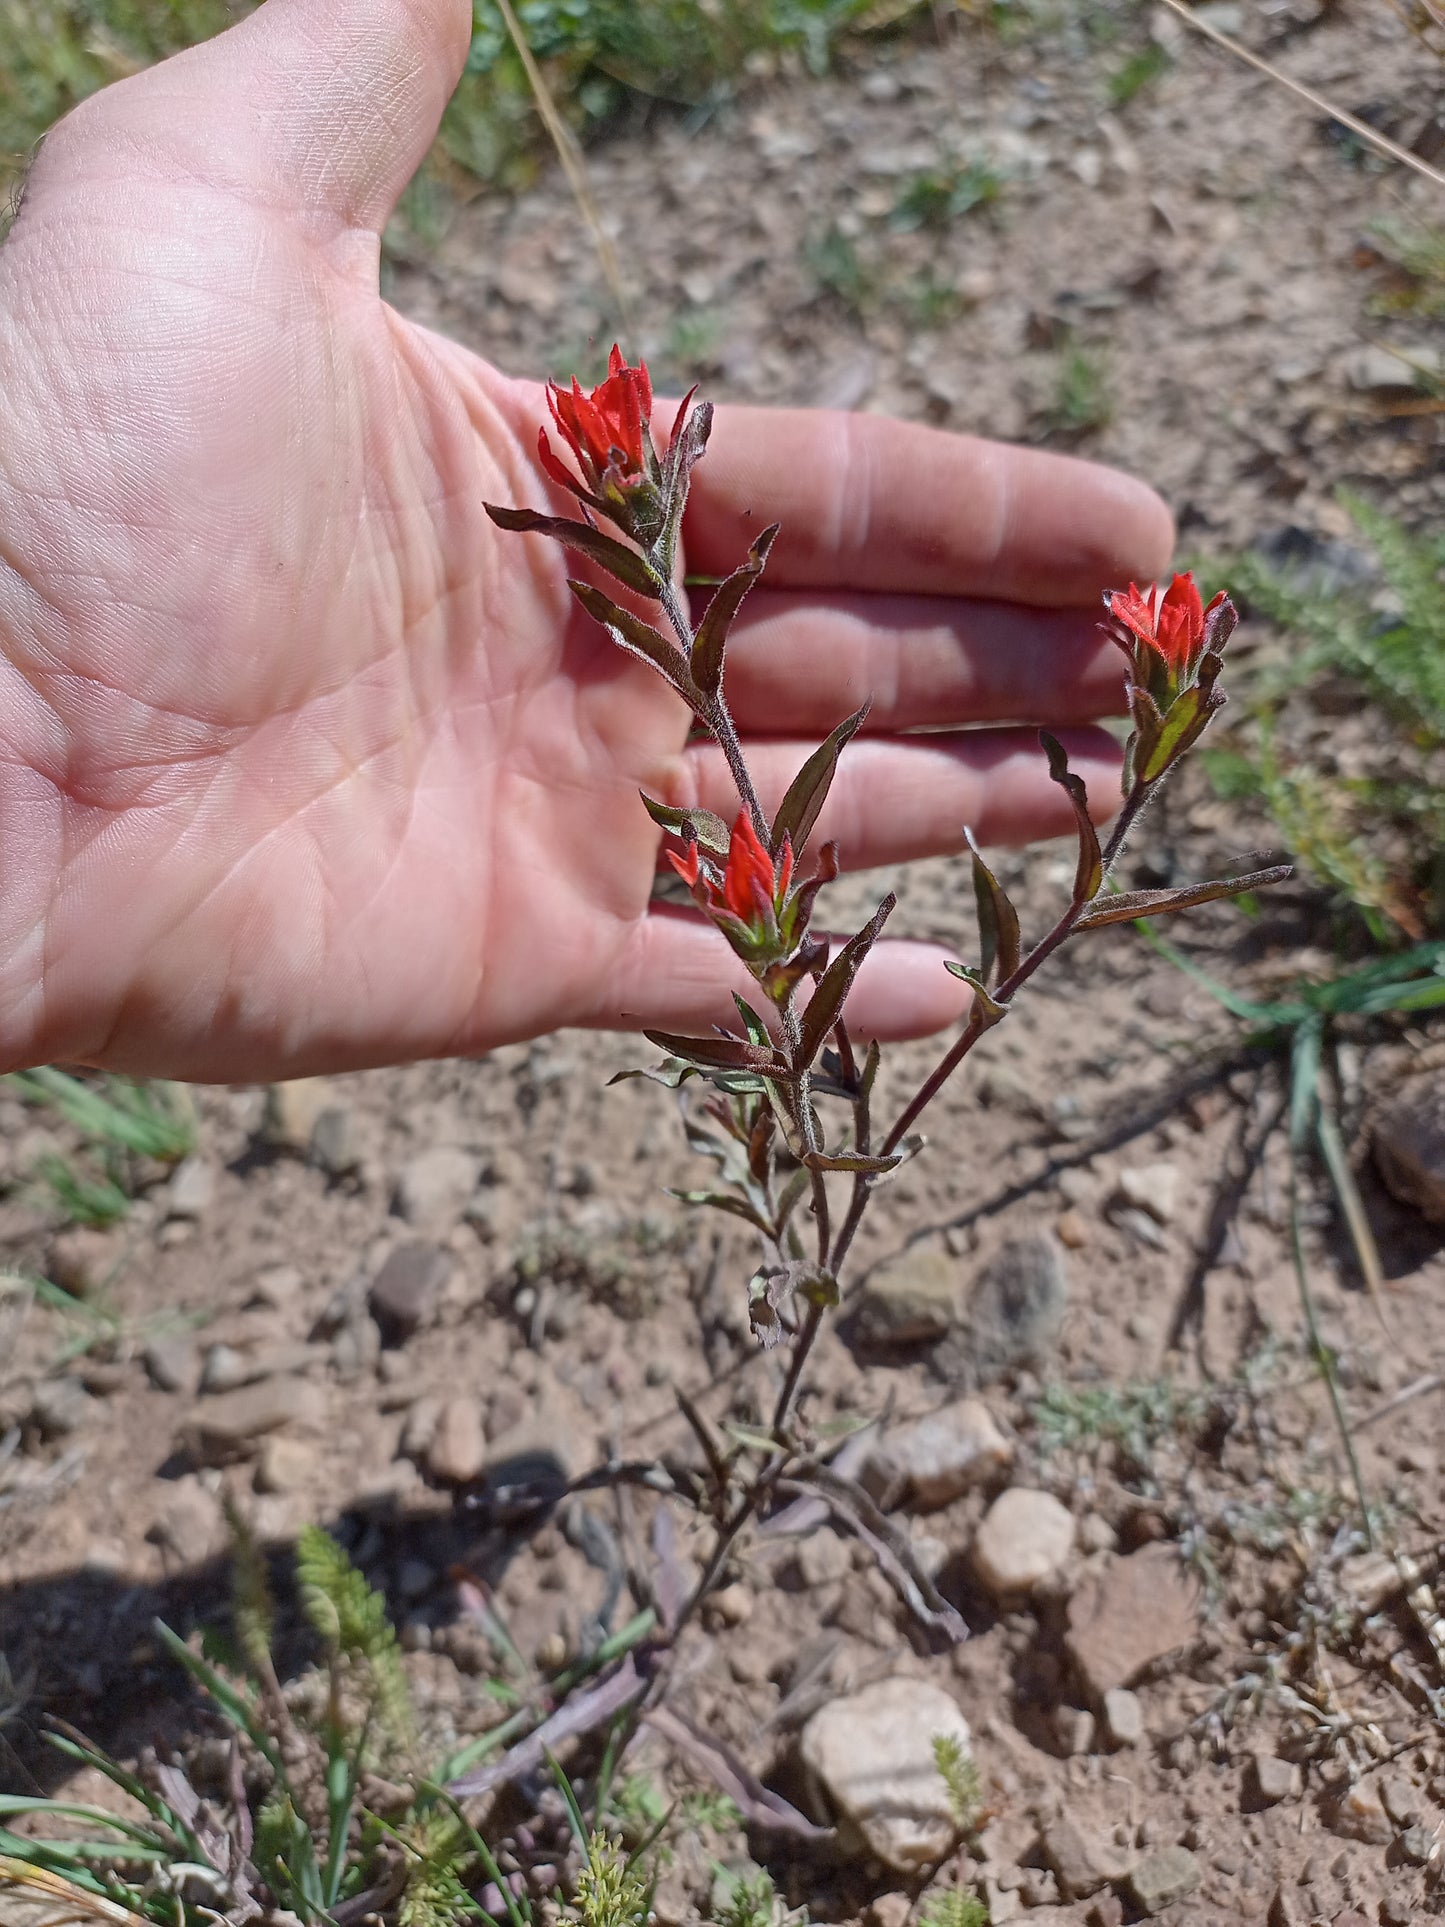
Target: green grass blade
[(1367, 1254), (1323, 1358), (240, 1711), (18, 1803), (158, 1808)]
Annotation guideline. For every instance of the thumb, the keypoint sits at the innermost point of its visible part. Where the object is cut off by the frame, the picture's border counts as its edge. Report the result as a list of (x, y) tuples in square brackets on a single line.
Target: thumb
[(323, 109)]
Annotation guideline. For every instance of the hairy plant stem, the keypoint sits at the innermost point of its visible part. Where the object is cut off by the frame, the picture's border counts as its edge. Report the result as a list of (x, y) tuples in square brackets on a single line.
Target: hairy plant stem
[(1134, 803), (807, 1128), (717, 720)]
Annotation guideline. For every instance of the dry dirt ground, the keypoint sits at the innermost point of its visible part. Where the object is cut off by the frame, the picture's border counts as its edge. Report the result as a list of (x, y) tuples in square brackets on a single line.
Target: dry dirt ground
[(1205, 248)]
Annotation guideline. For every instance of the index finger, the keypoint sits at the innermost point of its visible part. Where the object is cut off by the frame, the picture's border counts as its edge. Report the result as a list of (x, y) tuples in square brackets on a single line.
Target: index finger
[(870, 503)]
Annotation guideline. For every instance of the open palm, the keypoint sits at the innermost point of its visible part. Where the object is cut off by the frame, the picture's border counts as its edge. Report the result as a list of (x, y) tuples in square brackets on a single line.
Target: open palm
[(304, 764)]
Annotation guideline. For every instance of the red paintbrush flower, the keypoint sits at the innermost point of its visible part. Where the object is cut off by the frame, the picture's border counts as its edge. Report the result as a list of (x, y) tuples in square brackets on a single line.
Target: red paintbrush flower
[(606, 430), (1172, 622), (748, 895)]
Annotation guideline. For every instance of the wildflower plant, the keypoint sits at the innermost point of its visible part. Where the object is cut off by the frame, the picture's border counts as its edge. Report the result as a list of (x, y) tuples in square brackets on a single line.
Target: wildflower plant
[(777, 1078)]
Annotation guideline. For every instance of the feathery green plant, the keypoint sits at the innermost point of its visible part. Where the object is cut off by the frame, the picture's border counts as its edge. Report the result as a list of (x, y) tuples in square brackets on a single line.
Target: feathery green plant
[(951, 1907), (352, 1619), (1378, 843), (960, 1776)]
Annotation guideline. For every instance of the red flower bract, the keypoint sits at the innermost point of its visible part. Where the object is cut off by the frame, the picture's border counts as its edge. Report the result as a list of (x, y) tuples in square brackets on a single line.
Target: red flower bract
[(752, 887), (607, 427), (1170, 621)]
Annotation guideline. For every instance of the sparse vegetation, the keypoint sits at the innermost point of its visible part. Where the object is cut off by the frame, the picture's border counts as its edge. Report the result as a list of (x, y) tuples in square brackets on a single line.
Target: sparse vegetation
[(1137, 73), (1081, 401), (1375, 838), (311, 1844), (121, 1126), (942, 194), (596, 55)]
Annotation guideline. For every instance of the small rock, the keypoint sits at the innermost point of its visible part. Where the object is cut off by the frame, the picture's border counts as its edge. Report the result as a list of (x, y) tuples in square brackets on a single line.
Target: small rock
[(404, 1293), (1409, 1144), (224, 1369), (83, 1260), (1025, 1537), (1003, 1903), (1400, 1799), (889, 1910), (285, 1465), (171, 1364), (1123, 1717), (419, 1427), (1372, 370), (1074, 1730), (551, 1654), (731, 1605), (1417, 1845), (910, 1300), (192, 1189), (277, 1286), (1359, 1814), (1082, 1861), (1163, 1877), (60, 1406), (1108, 1912), (434, 1187), (1129, 1612), (822, 1559), (1351, 1917), (1153, 1188), (457, 1450), (292, 1110), (225, 1426), (334, 1146), (1273, 1779), (1015, 1307), (871, 1755), (187, 1525), (102, 1377), (932, 1460), (1096, 1534), (356, 1347), (1072, 1229)]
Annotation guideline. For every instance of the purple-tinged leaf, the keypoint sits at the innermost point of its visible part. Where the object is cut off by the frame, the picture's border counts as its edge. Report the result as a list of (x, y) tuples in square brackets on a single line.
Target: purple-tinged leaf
[(1089, 877), (772, 1289), (690, 433), (712, 632), (708, 830), (853, 1161), (808, 791), (758, 1804), (639, 638), (669, 1585), (582, 1713), (825, 1006), (722, 1053), (735, 1206), (986, 1006), (890, 1547), (998, 921), (626, 564), (1130, 904)]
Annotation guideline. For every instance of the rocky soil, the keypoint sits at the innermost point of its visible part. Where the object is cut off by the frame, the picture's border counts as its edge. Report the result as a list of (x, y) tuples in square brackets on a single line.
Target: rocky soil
[(1071, 1376)]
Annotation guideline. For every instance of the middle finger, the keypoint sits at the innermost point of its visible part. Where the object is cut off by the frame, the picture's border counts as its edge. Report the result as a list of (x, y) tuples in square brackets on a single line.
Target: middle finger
[(799, 662)]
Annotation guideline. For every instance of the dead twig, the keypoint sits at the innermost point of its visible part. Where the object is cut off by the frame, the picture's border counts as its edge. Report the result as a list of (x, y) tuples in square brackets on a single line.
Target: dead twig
[(1370, 135)]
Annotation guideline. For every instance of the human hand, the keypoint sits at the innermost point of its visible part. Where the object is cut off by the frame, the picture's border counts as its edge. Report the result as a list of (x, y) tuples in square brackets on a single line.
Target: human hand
[(303, 764)]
